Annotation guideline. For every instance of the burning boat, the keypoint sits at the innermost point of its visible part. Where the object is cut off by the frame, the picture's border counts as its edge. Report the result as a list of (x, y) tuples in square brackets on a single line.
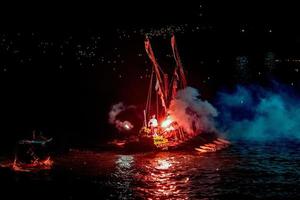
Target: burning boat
[(161, 129), (33, 153)]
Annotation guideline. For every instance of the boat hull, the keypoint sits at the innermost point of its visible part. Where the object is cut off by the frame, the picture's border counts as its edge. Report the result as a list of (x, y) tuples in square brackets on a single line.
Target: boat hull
[(29, 152), (144, 144)]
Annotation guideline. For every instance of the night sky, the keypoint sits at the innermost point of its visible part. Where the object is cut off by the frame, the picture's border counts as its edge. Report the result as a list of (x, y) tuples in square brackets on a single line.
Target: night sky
[(62, 67)]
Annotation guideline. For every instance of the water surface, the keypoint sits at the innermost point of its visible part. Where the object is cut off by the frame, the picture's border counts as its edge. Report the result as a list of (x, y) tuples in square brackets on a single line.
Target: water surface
[(244, 170)]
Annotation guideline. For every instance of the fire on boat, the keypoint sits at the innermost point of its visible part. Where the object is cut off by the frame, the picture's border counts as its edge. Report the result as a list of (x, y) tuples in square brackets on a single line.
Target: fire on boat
[(160, 128)]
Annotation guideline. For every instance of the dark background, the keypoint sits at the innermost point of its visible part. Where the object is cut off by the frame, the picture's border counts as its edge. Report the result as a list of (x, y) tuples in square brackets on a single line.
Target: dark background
[(63, 66)]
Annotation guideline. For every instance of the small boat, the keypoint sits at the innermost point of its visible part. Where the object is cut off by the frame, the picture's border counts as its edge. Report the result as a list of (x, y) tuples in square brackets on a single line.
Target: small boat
[(33, 153)]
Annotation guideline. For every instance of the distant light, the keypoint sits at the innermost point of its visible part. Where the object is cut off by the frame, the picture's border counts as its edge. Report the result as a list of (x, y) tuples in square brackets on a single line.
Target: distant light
[(5, 70), (243, 30), (270, 31)]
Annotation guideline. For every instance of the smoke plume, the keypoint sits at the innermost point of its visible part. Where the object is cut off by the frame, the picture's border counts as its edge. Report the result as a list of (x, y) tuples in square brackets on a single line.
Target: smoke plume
[(114, 112), (255, 113), (192, 113)]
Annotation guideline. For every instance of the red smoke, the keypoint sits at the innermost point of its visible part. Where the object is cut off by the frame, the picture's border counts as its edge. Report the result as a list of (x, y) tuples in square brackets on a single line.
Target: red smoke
[(191, 113)]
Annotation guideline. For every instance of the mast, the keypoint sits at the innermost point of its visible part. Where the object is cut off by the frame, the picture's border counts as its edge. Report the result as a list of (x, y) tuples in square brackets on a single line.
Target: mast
[(164, 90), (178, 62), (160, 86)]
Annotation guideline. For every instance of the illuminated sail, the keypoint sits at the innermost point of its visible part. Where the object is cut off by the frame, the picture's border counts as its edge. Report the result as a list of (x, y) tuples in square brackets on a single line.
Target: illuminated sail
[(160, 86), (166, 90), (178, 62)]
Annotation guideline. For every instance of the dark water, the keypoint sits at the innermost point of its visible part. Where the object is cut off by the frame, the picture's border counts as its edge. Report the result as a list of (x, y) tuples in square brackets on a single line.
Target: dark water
[(244, 171)]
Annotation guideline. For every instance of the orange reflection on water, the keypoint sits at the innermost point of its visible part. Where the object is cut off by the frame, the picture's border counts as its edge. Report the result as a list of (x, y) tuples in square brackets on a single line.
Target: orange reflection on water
[(166, 175), (34, 166), (161, 180)]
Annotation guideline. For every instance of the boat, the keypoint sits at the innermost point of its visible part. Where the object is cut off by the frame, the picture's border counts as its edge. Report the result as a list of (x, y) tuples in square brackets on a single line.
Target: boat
[(33, 153), (163, 132)]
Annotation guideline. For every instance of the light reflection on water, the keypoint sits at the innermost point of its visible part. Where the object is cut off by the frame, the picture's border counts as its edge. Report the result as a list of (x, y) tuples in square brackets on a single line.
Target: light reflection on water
[(169, 175), (245, 171), (160, 179)]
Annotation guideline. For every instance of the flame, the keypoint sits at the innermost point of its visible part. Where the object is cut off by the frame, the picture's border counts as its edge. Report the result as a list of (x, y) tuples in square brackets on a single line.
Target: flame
[(166, 122), (47, 162), (35, 165), (126, 126), (171, 128)]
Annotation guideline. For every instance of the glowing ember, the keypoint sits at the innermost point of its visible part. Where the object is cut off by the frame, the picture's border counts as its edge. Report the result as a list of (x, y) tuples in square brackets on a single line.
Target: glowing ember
[(47, 162)]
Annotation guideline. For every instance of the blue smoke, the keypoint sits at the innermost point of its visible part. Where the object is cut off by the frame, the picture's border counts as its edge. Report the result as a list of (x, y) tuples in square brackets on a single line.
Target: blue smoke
[(256, 113)]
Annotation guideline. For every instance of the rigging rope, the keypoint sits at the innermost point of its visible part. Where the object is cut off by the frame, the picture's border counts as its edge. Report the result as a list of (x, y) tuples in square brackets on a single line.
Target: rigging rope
[(148, 103)]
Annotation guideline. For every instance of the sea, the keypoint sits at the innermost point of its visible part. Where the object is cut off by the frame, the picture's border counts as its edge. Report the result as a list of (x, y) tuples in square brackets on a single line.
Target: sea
[(244, 170)]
